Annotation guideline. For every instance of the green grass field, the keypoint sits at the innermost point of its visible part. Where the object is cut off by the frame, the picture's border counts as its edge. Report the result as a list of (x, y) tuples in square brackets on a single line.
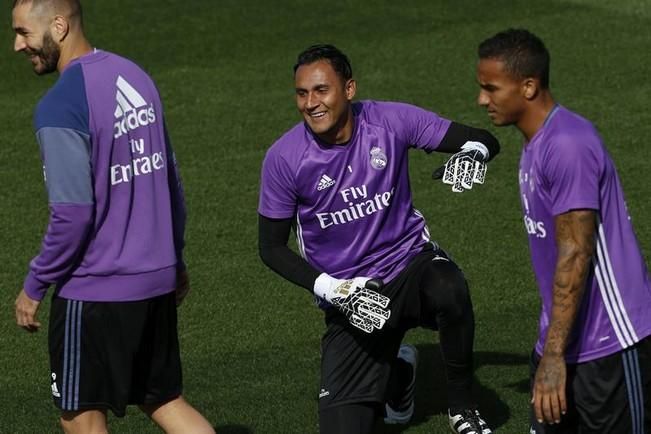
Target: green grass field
[(250, 340)]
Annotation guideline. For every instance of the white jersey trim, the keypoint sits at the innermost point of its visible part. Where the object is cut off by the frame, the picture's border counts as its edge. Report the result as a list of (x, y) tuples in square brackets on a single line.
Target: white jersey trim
[(425, 235), (610, 293), (299, 238)]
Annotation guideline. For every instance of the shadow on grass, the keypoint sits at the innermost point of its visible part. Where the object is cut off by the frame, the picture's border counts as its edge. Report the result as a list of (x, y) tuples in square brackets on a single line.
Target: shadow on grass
[(431, 396), (233, 429)]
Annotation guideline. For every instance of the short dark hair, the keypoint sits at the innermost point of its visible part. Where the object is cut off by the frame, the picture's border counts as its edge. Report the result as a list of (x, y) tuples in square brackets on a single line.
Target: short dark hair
[(523, 53), (330, 53), (71, 7)]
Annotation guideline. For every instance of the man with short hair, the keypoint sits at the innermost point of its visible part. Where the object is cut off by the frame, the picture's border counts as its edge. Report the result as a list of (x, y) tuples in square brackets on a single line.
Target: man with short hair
[(115, 235), (341, 179), (591, 367)]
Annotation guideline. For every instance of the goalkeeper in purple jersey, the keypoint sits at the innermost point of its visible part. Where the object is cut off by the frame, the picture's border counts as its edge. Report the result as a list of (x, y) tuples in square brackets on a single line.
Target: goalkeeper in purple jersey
[(591, 367), (340, 179), (114, 242)]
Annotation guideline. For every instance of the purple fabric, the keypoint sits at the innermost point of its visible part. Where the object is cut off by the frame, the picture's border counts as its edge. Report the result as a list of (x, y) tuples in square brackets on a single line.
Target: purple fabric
[(352, 202), (566, 167), (122, 247)]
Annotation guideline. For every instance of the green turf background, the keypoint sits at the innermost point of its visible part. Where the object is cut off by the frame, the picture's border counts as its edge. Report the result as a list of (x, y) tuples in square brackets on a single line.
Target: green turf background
[(250, 340)]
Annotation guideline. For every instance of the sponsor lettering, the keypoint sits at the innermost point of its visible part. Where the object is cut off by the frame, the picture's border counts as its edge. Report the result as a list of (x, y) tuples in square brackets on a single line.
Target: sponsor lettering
[(134, 118), (143, 165), (364, 207), (534, 227)]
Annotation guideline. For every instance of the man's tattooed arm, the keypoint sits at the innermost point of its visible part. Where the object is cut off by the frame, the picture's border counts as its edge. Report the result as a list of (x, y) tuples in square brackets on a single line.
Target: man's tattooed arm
[(575, 241)]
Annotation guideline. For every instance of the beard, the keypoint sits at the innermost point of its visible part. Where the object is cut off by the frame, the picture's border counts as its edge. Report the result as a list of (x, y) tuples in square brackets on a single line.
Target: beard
[(48, 55)]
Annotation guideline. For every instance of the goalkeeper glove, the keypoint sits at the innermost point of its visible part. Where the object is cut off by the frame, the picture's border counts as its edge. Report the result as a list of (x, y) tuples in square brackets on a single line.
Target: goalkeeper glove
[(464, 168), (357, 299)]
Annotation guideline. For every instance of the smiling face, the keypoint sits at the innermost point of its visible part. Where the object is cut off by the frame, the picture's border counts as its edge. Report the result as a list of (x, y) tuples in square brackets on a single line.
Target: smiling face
[(324, 99), (503, 96), (34, 38)]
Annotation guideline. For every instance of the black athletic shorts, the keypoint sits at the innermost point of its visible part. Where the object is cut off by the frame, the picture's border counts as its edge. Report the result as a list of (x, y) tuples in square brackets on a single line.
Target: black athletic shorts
[(610, 395), (355, 366), (106, 355)]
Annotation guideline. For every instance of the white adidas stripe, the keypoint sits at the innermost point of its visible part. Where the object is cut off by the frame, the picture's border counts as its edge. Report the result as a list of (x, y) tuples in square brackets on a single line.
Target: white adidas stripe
[(299, 238), (425, 235), (127, 97), (611, 294)]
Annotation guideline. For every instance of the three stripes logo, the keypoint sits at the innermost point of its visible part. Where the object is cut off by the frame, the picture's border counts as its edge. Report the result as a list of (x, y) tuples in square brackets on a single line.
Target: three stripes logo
[(324, 182), (132, 110)]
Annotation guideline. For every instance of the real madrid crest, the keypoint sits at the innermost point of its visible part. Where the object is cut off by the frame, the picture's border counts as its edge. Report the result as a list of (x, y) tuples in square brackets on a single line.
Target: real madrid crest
[(378, 159)]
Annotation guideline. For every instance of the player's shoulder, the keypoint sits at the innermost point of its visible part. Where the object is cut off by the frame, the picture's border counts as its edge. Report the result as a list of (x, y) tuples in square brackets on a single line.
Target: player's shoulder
[(292, 145), (377, 110), (391, 115), (570, 128), (65, 104), (572, 140), (102, 57)]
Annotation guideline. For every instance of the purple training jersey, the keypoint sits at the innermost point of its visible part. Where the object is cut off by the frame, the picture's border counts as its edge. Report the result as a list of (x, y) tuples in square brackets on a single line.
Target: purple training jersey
[(566, 167), (352, 203), (116, 223)]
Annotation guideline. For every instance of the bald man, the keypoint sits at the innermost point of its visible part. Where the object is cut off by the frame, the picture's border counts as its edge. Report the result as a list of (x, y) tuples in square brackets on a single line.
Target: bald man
[(113, 246)]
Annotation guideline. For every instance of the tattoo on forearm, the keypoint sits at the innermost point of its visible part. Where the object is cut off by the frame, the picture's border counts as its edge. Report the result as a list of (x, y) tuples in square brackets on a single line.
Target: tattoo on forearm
[(575, 240)]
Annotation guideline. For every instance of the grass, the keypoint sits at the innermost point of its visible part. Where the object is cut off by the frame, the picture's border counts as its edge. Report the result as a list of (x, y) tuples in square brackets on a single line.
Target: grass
[(250, 340)]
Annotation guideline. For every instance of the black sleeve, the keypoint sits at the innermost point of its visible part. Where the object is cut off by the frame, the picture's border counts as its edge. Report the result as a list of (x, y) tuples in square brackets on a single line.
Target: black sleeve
[(273, 235), (458, 134)]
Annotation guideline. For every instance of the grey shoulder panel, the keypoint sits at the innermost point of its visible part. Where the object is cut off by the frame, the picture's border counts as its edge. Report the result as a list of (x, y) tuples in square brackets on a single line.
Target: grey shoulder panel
[(66, 165)]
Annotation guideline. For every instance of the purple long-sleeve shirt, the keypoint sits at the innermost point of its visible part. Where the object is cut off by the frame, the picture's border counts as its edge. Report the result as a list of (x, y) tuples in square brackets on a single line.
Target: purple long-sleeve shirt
[(117, 213)]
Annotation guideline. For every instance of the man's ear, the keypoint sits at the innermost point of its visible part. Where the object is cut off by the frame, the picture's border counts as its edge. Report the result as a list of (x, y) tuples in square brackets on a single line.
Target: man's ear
[(350, 87), (530, 88), (60, 28)]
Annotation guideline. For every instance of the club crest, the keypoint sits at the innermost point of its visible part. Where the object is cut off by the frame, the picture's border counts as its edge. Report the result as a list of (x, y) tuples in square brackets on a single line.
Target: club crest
[(378, 159)]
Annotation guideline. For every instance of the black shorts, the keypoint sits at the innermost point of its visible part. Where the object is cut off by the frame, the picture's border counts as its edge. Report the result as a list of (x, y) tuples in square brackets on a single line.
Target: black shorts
[(106, 355), (608, 395), (355, 366)]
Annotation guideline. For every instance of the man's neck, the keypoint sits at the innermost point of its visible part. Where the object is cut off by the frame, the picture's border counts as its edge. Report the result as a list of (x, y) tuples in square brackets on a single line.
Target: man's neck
[(536, 114), (74, 48)]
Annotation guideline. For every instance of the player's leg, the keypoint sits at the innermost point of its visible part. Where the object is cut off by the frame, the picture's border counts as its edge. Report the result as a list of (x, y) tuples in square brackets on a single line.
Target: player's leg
[(446, 306), (349, 419), (90, 360), (84, 422), (644, 352), (157, 381), (401, 390), (178, 417), (610, 392), (355, 369)]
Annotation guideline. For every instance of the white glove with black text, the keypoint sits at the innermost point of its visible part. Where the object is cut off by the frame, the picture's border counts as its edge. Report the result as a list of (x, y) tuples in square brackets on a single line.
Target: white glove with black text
[(464, 168), (356, 298)]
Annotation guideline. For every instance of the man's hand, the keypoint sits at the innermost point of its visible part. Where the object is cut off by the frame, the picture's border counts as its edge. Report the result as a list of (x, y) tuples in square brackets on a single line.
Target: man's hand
[(464, 168), (26, 309), (356, 298), (182, 286), (549, 402)]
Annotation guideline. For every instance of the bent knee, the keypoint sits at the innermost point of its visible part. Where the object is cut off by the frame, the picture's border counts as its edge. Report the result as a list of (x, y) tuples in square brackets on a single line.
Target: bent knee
[(84, 422), (445, 292)]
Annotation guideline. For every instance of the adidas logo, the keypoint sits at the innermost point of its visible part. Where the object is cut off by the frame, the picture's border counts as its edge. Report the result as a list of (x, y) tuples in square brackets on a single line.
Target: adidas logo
[(132, 111), (325, 182)]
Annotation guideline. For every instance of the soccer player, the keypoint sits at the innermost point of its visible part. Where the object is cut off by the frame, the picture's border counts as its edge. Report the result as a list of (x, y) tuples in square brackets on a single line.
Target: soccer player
[(591, 367), (340, 178), (113, 245)]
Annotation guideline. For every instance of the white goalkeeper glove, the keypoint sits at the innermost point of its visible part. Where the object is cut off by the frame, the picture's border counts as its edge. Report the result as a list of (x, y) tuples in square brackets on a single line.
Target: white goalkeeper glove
[(464, 168), (356, 298)]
